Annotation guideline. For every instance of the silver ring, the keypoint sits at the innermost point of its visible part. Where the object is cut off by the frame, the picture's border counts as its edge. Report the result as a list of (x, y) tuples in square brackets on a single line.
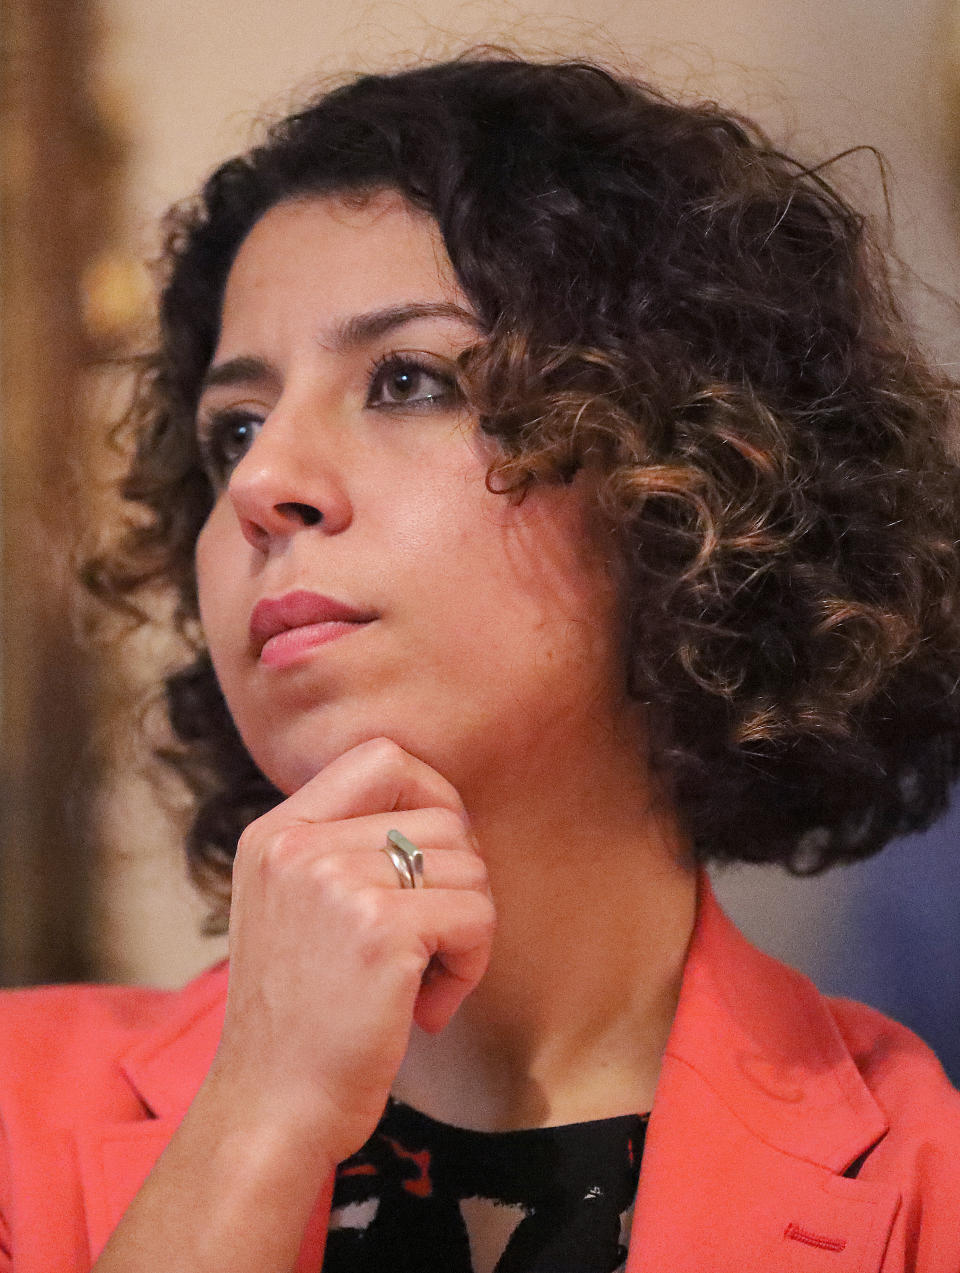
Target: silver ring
[(410, 865), (401, 865)]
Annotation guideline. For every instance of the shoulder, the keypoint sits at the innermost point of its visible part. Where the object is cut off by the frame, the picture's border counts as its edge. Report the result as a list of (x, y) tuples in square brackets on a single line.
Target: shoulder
[(827, 1082), (890, 1057), (904, 1076), (921, 1147), (64, 1044), (74, 1011), (848, 1053), (32, 1019)]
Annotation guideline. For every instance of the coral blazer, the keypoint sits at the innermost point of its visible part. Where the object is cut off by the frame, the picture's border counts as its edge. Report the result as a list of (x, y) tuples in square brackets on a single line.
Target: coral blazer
[(789, 1132)]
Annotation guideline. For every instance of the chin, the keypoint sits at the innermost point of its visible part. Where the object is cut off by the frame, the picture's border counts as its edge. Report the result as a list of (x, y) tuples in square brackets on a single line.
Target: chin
[(291, 762), (292, 747)]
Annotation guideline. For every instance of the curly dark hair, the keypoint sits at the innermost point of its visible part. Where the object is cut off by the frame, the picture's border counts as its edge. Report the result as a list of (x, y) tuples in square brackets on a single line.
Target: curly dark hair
[(708, 324)]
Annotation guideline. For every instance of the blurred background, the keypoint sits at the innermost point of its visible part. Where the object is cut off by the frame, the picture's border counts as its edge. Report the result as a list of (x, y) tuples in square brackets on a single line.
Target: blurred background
[(110, 111)]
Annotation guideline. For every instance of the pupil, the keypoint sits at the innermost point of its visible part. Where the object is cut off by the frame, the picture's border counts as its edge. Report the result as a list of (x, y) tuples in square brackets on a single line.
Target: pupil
[(237, 439), (402, 382)]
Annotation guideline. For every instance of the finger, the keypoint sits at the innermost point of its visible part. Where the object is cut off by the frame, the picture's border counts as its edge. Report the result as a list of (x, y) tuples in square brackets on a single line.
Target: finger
[(356, 849), (377, 776), (445, 869), (432, 831), (458, 930), (300, 844)]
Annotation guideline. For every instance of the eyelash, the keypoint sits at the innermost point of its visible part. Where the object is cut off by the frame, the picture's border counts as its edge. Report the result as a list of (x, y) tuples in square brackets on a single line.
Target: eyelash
[(213, 441), (420, 364), (214, 429)]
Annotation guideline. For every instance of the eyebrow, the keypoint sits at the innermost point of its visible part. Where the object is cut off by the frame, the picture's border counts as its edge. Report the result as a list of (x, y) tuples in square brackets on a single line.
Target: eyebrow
[(350, 333), (363, 328), (239, 371)]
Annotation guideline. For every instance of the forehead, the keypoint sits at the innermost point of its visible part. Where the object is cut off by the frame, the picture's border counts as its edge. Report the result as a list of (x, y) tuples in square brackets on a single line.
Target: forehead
[(340, 255)]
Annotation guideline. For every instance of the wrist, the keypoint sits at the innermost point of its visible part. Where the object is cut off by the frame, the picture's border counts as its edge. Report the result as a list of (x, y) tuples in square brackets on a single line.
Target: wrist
[(269, 1132)]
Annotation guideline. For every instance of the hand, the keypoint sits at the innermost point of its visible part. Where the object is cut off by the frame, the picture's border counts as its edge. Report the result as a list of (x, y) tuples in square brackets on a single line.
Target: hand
[(330, 960)]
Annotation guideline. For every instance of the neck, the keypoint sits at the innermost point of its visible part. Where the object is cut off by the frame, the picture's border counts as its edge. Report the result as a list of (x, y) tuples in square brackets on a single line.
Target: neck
[(595, 896)]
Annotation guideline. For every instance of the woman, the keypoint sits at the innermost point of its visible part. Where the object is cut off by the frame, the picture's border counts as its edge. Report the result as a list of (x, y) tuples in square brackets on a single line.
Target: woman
[(563, 503)]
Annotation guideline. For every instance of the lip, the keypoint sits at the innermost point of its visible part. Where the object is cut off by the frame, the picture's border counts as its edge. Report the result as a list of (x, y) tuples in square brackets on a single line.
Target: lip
[(283, 628)]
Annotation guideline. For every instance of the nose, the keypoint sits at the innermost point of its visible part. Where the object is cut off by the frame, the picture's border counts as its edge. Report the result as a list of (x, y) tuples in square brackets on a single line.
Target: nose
[(287, 482)]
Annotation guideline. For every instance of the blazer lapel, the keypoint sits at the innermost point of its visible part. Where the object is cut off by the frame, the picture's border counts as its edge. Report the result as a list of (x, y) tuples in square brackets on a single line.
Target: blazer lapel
[(113, 1161), (759, 1111), (165, 1067)]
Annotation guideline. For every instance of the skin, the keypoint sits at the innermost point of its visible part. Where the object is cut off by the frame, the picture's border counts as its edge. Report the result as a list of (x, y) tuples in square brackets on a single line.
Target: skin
[(480, 711)]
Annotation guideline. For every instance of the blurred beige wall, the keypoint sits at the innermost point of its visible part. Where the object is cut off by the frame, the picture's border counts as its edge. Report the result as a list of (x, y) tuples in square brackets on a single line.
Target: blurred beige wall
[(187, 80)]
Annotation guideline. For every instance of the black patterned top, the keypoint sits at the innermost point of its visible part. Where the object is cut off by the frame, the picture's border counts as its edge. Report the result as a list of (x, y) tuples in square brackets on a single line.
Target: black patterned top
[(425, 1197)]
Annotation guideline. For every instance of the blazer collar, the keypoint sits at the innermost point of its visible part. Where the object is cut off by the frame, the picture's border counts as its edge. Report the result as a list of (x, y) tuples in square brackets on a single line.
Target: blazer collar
[(168, 1063), (165, 1067), (759, 1111), (763, 1038)]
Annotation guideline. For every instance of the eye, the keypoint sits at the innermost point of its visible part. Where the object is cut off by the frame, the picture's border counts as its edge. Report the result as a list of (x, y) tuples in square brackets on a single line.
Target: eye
[(224, 438), (401, 381)]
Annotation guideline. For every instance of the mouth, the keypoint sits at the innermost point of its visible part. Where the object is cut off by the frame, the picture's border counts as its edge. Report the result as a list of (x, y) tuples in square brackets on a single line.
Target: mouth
[(282, 628)]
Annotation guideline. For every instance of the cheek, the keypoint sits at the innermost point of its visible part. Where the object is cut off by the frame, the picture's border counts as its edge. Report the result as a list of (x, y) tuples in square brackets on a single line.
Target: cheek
[(203, 567), (534, 584), (557, 559), (212, 568)]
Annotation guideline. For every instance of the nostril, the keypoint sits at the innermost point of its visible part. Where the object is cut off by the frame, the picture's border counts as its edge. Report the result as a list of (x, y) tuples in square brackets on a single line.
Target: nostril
[(306, 514)]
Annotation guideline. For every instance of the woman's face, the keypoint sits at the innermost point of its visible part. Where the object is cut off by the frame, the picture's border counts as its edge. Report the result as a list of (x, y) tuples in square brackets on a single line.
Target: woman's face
[(356, 577)]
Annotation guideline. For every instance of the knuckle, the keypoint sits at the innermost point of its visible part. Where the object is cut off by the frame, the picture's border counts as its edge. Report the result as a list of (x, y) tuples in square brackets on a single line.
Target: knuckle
[(247, 843), (273, 854), (371, 911), (486, 913), (373, 924), (449, 825), (476, 871), (333, 872), (384, 753), (410, 965)]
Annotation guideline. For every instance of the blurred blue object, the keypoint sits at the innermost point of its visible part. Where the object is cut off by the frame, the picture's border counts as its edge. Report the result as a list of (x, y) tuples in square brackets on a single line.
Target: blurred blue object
[(897, 944)]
